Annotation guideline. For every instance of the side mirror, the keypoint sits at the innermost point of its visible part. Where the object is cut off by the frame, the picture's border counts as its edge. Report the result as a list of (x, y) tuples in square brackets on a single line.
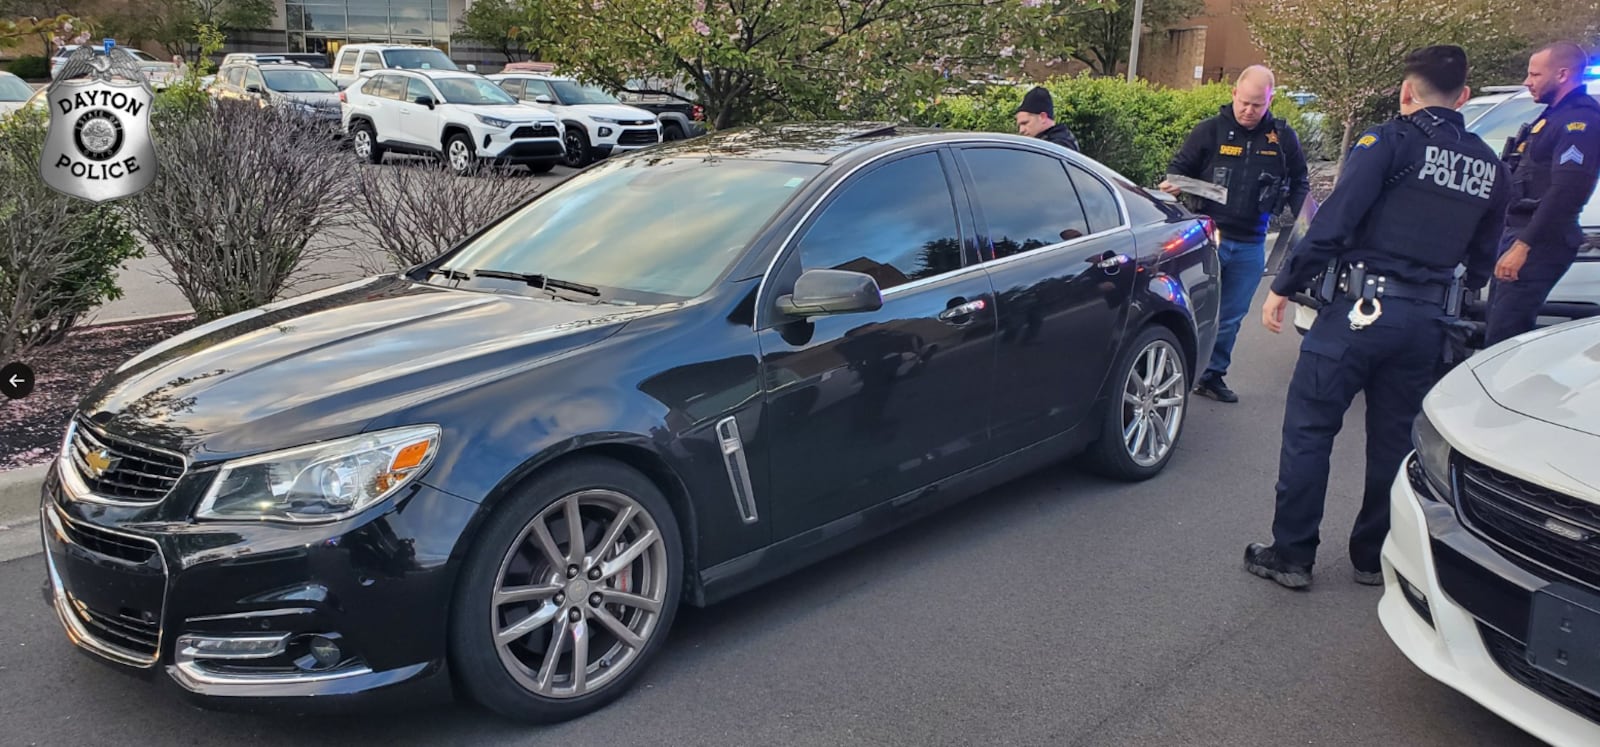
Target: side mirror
[(820, 292), (472, 68), (425, 101), (544, 98), (252, 88)]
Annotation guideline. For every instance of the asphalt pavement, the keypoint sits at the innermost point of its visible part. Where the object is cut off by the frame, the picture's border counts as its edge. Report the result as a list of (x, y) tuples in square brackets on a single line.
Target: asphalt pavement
[(1058, 610)]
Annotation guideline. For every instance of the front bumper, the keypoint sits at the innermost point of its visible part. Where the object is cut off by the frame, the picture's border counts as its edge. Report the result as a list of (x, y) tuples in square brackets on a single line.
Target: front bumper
[(245, 612), (1461, 615)]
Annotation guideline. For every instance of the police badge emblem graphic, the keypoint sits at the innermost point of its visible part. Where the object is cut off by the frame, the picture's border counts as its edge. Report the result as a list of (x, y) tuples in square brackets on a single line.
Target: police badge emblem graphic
[(98, 146)]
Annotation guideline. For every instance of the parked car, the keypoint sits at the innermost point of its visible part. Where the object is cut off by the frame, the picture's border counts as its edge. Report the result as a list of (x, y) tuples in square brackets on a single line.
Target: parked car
[(515, 462), (292, 85), (595, 123), (14, 93), (1492, 564), (462, 117), (315, 60), (355, 59), (671, 102)]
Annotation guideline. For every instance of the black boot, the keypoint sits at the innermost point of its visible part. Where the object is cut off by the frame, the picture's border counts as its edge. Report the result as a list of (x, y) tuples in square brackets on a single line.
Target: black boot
[(1263, 561), (1210, 385)]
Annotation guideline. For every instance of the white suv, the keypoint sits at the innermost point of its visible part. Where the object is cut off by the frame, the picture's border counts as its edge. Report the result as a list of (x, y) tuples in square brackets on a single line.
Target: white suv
[(597, 124), (458, 115)]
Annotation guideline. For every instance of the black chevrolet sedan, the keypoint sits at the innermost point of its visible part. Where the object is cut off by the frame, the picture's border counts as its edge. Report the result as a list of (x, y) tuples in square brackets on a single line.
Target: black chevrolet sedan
[(679, 374)]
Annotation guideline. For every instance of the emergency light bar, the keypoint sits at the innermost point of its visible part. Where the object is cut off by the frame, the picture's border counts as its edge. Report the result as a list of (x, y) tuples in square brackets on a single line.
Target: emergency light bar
[(1591, 72)]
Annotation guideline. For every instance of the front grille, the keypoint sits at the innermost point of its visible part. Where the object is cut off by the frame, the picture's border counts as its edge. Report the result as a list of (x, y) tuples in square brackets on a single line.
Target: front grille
[(637, 137), (138, 633), (135, 473), (1512, 657), (109, 544), (539, 131), (1554, 530)]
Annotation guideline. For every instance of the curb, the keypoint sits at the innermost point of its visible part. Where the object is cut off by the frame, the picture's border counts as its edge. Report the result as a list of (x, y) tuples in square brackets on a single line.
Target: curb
[(137, 319), (19, 493)]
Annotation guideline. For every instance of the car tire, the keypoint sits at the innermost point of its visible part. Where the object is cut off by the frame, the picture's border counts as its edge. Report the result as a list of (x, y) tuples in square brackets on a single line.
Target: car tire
[(541, 167), (512, 563), (671, 131), (365, 143), (459, 155), (576, 147), (1151, 383)]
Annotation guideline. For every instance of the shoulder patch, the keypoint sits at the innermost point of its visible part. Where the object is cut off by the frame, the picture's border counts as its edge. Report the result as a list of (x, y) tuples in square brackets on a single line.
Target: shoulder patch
[(1572, 155), (1367, 141), (1537, 126), (1577, 126)]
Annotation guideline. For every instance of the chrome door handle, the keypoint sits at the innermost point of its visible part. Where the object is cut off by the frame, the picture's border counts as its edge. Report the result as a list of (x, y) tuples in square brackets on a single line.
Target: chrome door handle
[(1112, 262), (966, 309)]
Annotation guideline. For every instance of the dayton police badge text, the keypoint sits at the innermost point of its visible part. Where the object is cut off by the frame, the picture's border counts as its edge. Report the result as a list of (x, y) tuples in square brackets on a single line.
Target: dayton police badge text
[(99, 146)]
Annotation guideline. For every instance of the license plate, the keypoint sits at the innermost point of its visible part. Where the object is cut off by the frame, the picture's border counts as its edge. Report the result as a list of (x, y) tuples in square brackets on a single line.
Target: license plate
[(1564, 635)]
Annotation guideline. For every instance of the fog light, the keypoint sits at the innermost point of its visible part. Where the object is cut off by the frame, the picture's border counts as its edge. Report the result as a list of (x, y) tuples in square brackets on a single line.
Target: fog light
[(1417, 600), (324, 654), (605, 132)]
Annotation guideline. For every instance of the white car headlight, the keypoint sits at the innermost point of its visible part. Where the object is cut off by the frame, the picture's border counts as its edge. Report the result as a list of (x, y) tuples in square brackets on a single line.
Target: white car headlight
[(1433, 452), (321, 482), (607, 120), (492, 122)]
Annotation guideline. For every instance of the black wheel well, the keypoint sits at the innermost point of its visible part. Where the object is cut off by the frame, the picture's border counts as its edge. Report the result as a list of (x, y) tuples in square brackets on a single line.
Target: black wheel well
[(654, 468), (452, 130), (1183, 330), (575, 124)]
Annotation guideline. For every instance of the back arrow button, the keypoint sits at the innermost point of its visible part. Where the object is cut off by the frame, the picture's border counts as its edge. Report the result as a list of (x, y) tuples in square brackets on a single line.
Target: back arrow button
[(16, 380)]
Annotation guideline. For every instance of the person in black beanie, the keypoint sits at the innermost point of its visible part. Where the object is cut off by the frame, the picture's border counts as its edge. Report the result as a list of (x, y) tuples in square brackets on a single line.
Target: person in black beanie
[(1037, 118)]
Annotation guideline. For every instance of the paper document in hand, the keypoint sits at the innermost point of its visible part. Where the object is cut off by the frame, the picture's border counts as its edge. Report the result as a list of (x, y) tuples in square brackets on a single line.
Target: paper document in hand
[(1198, 188)]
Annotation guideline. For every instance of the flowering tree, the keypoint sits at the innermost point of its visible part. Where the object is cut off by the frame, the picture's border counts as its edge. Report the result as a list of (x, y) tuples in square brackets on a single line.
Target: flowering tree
[(514, 29), (745, 59), (1102, 36), (1351, 52)]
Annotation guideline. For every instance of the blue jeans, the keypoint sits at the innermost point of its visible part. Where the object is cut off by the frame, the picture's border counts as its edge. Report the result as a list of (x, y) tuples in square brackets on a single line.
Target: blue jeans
[(1242, 265)]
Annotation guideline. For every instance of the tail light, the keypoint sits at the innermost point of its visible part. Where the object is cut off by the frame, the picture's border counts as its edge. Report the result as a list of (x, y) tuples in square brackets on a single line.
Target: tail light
[(342, 99), (1211, 230), (699, 113)]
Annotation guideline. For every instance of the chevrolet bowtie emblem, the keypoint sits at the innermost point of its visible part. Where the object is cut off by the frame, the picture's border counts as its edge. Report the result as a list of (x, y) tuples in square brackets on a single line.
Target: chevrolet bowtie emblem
[(99, 462)]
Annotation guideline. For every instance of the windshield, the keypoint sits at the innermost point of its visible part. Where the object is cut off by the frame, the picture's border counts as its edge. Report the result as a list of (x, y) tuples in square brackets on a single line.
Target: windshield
[(573, 94), (299, 81), (473, 91), (1504, 120), (625, 227), (13, 89), (418, 59), (1472, 109)]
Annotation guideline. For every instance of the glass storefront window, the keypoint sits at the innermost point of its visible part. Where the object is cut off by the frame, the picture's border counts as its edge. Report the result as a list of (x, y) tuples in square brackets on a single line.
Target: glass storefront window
[(366, 20), (325, 18), (326, 25)]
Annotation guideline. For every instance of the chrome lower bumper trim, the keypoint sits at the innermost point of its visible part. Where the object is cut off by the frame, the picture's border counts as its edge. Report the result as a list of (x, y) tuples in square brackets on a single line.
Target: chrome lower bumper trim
[(76, 631)]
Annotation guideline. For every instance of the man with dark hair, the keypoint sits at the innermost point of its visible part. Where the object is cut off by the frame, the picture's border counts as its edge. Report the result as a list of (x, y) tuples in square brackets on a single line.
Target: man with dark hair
[(1555, 162), (1258, 159), (1419, 196), (1036, 117)]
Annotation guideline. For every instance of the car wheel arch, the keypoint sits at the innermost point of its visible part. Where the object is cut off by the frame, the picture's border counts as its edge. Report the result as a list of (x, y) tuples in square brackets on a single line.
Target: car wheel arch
[(1182, 327), (451, 130), (646, 460)]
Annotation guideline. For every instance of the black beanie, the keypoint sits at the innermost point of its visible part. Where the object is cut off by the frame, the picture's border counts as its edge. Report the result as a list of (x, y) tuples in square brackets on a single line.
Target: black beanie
[(1037, 101)]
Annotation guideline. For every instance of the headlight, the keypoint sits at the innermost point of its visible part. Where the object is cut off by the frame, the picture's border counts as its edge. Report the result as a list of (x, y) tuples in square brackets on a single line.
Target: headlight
[(607, 120), (321, 482), (1433, 452), (492, 122)]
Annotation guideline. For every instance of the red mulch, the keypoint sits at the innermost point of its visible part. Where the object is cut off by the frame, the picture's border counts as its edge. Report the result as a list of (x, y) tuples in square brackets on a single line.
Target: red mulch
[(31, 428)]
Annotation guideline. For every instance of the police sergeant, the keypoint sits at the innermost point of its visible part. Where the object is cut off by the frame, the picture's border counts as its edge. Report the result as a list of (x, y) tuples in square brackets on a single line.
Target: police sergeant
[(1555, 162), (1418, 197)]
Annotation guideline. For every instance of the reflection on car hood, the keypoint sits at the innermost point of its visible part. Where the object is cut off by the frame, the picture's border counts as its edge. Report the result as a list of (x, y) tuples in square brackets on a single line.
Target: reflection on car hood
[(1551, 375), (321, 365)]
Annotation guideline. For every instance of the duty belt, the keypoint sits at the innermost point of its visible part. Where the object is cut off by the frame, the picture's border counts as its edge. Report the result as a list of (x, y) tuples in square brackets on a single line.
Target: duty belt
[(1356, 283)]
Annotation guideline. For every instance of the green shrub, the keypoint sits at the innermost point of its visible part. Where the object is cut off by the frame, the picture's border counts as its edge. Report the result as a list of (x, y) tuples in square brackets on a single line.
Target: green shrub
[(59, 255), (30, 67), (1135, 128)]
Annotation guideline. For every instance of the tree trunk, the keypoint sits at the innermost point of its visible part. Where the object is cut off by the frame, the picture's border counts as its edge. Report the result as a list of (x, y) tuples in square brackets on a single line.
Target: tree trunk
[(1344, 146)]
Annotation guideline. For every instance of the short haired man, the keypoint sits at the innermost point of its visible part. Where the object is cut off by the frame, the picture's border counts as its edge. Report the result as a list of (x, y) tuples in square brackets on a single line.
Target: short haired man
[(1557, 161), (1418, 197), (1036, 117), (1258, 159)]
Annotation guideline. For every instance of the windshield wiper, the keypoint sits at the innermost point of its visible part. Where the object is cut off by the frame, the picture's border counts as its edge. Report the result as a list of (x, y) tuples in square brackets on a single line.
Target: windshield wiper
[(538, 281), (449, 273)]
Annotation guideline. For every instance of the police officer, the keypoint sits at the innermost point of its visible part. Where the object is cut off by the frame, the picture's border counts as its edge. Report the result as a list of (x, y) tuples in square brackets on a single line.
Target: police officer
[(1036, 117), (1556, 161), (1258, 159), (1419, 195)]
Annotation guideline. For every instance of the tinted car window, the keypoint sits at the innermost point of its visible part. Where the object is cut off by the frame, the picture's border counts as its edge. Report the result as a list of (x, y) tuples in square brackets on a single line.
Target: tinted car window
[(897, 223), (1028, 201), (513, 86), (391, 86), (1098, 201), (625, 226), (416, 89)]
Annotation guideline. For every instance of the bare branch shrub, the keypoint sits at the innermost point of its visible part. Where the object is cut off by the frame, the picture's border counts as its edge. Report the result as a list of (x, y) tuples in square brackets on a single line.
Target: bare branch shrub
[(418, 212), (243, 191), (59, 256)]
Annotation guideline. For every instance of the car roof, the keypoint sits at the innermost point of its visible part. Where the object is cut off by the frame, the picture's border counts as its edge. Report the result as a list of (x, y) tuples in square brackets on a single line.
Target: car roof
[(814, 142)]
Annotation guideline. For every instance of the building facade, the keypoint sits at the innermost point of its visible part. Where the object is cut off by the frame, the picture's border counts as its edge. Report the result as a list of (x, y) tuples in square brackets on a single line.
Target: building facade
[(326, 25)]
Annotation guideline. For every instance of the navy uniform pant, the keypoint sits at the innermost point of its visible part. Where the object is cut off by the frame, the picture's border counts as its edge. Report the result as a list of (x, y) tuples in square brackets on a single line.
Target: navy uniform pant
[(1395, 361), (1514, 307)]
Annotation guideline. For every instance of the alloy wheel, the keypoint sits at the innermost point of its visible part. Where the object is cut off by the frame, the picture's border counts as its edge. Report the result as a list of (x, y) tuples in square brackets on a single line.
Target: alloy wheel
[(1153, 403), (460, 156), (579, 594), (363, 143)]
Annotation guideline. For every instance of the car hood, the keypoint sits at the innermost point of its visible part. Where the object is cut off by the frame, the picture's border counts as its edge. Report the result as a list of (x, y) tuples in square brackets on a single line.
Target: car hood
[(315, 98), (512, 113), (1552, 375), (322, 365), (613, 111)]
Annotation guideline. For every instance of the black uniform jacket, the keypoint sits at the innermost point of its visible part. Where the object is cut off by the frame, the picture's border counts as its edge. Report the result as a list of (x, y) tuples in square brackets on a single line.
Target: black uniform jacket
[(1222, 151), (1559, 164), (1410, 205)]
